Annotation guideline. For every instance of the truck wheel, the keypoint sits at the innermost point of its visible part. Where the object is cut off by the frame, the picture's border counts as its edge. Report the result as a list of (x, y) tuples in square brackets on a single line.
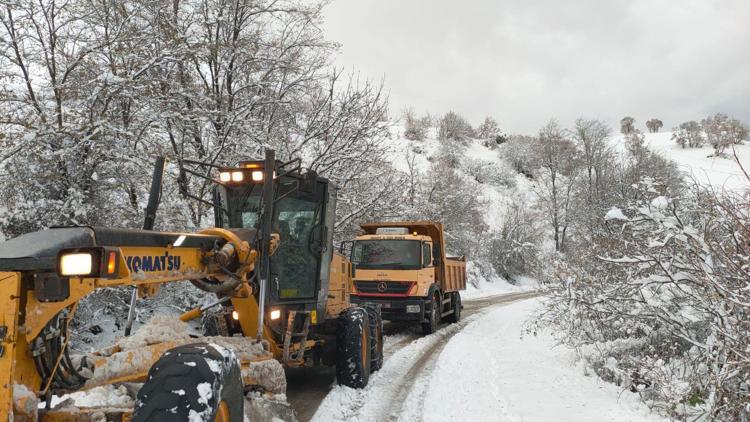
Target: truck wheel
[(376, 338), (456, 315), (433, 319), (353, 348), (199, 380)]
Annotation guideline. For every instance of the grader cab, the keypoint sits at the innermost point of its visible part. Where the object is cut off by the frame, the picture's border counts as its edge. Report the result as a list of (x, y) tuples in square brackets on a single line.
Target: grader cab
[(281, 300)]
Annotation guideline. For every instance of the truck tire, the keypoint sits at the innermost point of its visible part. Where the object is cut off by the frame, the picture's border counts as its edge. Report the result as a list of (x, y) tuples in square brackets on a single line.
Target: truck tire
[(195, 379), (456, 302), (433, 318), (353, 348), (376, 337)]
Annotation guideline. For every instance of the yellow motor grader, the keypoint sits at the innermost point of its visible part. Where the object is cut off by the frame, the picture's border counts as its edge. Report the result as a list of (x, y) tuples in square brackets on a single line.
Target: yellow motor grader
[(281, 296)]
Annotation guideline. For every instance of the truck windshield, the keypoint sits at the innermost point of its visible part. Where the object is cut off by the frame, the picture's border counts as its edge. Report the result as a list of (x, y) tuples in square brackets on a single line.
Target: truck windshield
[(391, 254)]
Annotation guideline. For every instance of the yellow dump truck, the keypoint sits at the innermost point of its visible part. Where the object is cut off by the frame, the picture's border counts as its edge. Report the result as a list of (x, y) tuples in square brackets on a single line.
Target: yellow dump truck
[(403, 267)]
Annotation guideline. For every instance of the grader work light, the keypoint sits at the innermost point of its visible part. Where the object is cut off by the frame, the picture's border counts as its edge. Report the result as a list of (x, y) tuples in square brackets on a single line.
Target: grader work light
[(88, 262), (76, 264)]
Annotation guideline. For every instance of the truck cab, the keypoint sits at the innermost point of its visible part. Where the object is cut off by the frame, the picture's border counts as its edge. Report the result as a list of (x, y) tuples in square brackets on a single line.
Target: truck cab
[(403, 267)]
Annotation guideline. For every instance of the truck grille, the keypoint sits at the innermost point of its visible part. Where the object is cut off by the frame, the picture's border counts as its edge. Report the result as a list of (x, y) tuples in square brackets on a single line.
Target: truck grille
[(383, 287)]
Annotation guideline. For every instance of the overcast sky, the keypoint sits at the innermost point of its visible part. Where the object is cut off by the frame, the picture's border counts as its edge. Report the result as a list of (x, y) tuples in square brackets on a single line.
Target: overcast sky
[(524, 61)]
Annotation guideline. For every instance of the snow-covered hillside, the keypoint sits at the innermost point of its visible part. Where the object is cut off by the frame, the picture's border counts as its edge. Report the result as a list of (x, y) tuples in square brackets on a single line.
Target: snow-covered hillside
[(501, 188), (700, 163)]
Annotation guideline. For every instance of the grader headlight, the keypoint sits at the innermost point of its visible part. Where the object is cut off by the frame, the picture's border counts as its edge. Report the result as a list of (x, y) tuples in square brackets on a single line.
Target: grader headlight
[(76, 264), (231, 176), (275, 314), (100, 262)]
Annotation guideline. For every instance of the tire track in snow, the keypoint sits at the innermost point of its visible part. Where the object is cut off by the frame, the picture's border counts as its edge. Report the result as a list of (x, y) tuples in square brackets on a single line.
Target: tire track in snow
[(389, 388)]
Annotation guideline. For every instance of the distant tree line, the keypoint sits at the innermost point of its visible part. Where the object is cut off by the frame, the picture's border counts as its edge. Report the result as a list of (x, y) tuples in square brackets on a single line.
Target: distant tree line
[(720, 131)]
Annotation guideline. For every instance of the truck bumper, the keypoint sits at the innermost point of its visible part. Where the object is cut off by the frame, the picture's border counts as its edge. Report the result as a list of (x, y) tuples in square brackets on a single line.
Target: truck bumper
[(396, 309)]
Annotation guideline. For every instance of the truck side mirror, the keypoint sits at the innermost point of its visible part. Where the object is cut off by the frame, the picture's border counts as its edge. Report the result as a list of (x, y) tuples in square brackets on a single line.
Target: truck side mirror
[(345, 248)]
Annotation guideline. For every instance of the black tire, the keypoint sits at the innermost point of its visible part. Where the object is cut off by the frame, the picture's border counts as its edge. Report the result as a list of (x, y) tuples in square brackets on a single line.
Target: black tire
[(433, 318), (353, 348), (210, 324), (376, 337), (456, 302), (175, 387)]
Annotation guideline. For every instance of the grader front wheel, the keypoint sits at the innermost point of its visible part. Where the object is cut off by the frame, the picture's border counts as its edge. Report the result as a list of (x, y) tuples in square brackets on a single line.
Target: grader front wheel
[(353, 348), (193, 382)]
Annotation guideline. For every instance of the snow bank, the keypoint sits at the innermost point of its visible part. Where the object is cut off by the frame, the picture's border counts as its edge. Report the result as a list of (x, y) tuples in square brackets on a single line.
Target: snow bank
[(138, 352), (269, 374), (615, 214), (514, 377), (25, 400), (106, 396), (159, 329), (483, 282)]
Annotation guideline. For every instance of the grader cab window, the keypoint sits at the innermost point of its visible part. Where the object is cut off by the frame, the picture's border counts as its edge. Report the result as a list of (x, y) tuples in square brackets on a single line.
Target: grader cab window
[(295, 263), (298, 219)]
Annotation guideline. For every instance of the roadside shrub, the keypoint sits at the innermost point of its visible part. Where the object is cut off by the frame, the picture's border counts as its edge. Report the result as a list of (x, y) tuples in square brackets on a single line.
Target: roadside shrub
[(514, 248), (660, 302)]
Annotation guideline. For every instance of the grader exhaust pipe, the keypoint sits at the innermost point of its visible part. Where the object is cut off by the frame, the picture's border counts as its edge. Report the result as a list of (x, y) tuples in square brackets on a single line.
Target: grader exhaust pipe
[(154, 197)]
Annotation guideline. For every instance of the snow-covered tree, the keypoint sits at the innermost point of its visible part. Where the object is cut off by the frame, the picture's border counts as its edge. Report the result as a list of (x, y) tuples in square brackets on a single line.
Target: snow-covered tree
[(653, 125), (559, 167), (627, 125), (93, 92), (514, 248), (489, 131), (415, 128), (688, 134), (591, 138), (660, 301), (723, 131), (454, 127), (519, 152)]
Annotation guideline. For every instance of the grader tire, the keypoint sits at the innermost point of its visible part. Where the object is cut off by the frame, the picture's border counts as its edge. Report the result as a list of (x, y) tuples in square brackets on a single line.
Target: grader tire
[(376, 337), (353, 348), (192, 381)]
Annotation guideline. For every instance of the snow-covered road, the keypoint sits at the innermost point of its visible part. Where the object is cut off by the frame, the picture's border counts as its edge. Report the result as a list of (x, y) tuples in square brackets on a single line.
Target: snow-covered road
[(483, 369)]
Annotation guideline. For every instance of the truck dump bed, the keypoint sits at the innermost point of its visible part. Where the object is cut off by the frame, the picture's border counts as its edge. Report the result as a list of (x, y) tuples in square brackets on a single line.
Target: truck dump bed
[(455, 274)]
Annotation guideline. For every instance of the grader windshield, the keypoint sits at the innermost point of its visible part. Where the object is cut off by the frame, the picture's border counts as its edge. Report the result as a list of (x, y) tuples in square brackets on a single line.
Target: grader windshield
[(300, 220)]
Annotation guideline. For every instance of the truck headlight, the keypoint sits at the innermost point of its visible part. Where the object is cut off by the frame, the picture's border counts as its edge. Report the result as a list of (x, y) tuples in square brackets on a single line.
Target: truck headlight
[(275, 314), (413, 309), (76, 264)]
